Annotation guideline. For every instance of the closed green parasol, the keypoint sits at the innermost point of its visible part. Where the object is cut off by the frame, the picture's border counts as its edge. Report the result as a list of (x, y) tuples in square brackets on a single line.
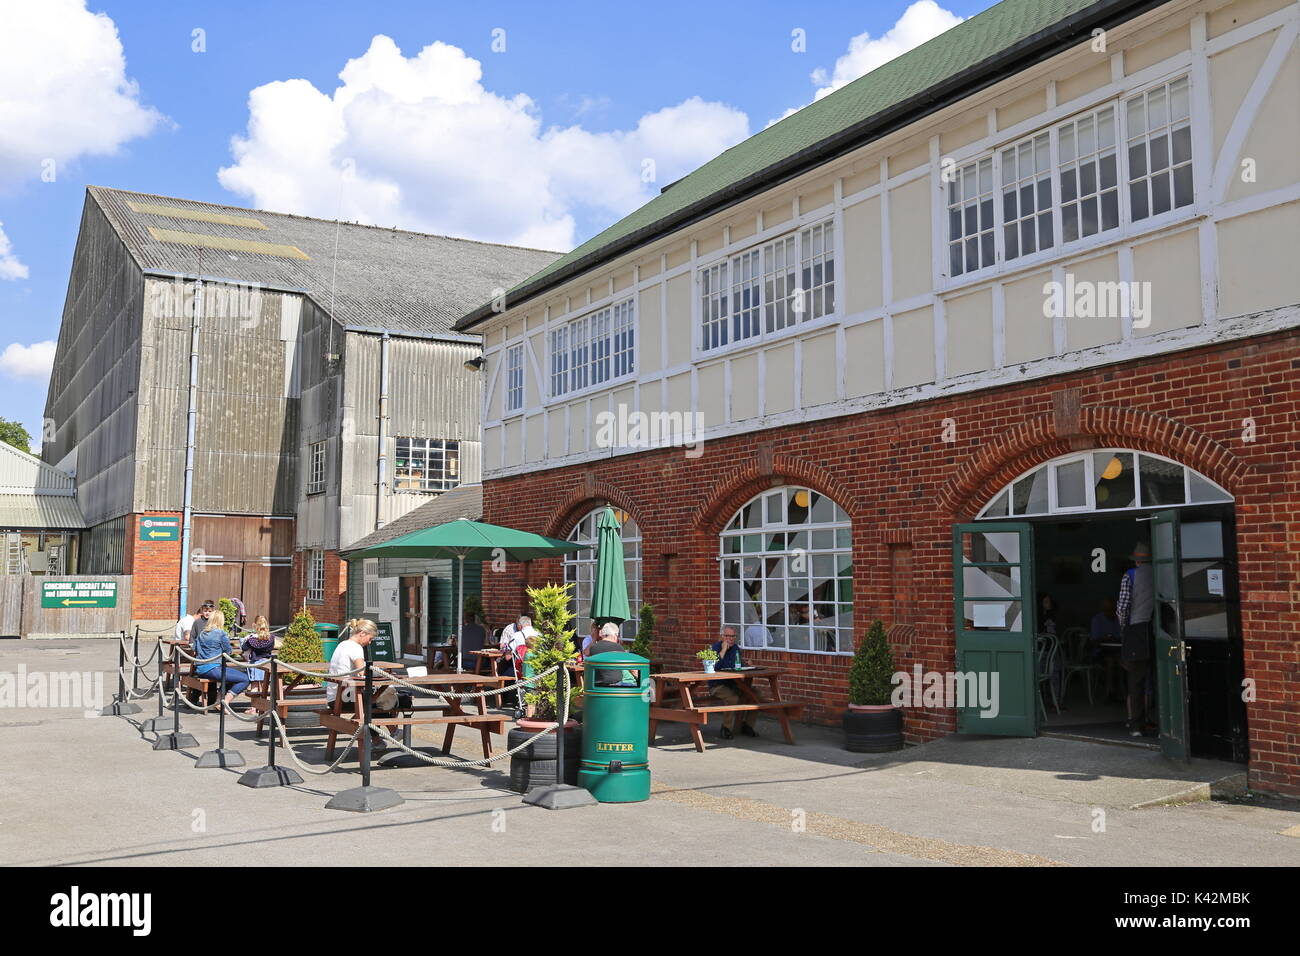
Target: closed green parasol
[(609, 590)]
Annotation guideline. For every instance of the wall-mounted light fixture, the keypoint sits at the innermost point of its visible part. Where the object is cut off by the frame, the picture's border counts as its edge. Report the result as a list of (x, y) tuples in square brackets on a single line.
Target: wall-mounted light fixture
[(475, 364)]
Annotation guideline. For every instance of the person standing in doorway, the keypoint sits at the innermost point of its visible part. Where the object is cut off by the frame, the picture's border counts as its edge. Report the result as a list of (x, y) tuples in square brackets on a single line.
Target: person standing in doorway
[(1133, 611)]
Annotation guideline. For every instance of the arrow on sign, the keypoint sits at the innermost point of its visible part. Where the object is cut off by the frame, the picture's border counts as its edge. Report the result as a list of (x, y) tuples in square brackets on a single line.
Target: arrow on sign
[(159, 534), (67, 601)]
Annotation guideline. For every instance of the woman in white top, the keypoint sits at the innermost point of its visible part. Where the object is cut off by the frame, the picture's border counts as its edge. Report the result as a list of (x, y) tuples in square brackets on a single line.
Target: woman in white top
[(350, 655)]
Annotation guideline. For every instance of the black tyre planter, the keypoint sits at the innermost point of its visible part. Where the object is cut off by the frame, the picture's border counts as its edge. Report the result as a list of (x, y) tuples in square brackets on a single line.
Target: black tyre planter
[(534, 766), (873, 732), (300, 719)]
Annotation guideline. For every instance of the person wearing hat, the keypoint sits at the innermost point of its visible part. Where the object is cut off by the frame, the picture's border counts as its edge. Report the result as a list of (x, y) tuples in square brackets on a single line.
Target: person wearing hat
[(1133, 612)]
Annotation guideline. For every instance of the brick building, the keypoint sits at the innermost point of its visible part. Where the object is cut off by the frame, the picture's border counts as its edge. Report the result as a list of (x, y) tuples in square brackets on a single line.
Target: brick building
[(940, 349), (241, 394)]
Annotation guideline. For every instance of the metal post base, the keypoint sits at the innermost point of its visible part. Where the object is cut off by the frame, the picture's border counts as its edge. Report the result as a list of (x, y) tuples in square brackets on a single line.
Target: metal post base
[(175, 742), (155, 724), (271, 777), (225, 757), (365, 799), (118, 709), (561, 796)]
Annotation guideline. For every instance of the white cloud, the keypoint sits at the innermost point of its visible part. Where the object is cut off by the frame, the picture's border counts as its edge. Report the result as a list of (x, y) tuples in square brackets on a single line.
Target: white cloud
[(922, 21), (419, 142), (28, 361), (10, 267), (64, 92)]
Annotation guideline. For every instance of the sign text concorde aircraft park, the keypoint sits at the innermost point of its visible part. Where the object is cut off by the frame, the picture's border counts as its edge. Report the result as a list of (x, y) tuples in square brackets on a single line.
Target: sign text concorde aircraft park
[(153, 528), (78, 594)]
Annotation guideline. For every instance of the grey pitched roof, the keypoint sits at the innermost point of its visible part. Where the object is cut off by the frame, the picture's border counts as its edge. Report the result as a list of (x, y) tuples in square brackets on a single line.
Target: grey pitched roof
[(465, 501), (385, 279), (34, 494)]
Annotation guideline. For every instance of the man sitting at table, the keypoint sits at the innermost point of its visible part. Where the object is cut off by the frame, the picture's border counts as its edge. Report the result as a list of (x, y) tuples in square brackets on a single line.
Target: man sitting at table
[(608, 643), (472, 638), (729, 659)]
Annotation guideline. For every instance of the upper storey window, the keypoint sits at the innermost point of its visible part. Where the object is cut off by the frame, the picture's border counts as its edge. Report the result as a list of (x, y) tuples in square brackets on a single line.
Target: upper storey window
[(593, 349)]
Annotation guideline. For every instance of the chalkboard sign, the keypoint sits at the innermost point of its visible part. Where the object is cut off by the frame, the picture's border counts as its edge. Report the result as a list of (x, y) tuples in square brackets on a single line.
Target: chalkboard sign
[(382, 645)]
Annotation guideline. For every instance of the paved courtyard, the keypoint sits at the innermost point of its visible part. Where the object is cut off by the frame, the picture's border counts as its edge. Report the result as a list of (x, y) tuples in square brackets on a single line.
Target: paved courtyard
[(92, 791)]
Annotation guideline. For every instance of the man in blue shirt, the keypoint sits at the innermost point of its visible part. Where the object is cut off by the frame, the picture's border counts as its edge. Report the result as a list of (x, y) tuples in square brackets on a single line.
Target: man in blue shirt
[(724, 691)]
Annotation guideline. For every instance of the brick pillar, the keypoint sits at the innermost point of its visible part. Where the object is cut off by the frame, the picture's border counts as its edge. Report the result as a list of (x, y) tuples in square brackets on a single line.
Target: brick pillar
[(155, 568)]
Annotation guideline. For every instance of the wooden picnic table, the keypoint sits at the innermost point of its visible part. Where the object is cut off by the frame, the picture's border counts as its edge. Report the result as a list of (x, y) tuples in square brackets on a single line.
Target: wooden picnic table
[(448, 711), (682, 685)]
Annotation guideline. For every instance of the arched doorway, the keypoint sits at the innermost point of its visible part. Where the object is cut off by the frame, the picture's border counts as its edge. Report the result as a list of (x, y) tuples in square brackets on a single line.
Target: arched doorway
[(1036, 578)]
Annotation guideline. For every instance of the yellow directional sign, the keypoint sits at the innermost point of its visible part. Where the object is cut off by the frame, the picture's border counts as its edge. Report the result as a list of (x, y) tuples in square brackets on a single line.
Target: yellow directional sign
[(160, 528)]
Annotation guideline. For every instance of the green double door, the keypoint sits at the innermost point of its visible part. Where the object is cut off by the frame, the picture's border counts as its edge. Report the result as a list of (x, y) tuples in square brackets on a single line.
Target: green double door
[(995, 620)]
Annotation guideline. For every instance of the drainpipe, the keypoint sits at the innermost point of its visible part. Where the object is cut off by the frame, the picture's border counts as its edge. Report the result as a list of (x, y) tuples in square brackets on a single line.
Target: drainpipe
[(191, 419), (382, 463)]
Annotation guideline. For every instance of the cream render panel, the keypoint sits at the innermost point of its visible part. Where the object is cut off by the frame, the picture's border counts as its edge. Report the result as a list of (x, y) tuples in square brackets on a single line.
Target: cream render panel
[(744, 387), (864, 365), (862, 249), (1171, 265), (1028, 332), (1088, 331), (513, 448), (1257, 261), (1273, 144), (909, 223), (969, 344), (819, 370), (914, 348), (679, 393), (780, 380), (681, 331), (713, 393), (649, 330), (557, 433), (578, 413), (492, 448), (534, 438)]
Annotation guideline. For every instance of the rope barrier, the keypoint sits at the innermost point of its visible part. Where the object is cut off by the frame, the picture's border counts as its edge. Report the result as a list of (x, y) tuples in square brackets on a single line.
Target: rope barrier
[(469, 695)]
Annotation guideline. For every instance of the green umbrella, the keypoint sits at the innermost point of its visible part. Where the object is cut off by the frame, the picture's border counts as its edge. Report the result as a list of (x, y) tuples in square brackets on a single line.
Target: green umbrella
[(464, 540), (609, 590)]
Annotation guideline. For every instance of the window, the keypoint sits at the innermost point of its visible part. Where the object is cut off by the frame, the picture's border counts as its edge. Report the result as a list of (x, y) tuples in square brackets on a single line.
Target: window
[(755, 292), (1159, 150), (514, 378), (580, 570), (370, 579), (1112, 480), (970, 218), (426, 464), (1033, 214), (316, 455), (787, 573), (593, 349), (316, 576)]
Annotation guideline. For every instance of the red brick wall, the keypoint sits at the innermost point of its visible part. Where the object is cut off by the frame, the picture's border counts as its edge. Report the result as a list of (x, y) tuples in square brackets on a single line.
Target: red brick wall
[(334, 608), (156, 570), (904, 487)]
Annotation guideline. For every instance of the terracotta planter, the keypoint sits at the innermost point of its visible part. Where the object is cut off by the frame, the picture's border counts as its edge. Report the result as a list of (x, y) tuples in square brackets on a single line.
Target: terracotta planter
[(870, 708)]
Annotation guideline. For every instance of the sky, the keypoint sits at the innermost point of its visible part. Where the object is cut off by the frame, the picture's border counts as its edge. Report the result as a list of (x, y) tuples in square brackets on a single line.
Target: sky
[(527, 123)]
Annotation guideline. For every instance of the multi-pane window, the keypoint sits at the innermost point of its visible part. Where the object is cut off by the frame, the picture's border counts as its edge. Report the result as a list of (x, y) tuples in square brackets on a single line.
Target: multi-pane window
[(970, 217), (514, 378), (426, 464), (593, 349), (580, 570), (1159, 150), (769, 288), (316, 576), (624, 340), (1027, 196), (818, 270), (316, 457), (1089, 181), (1147, 144), (787, 573)]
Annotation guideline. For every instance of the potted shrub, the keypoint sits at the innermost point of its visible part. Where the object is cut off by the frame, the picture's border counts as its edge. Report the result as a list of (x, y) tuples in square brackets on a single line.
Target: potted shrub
[(231, 614), (535, 765), (872, 724), (302, 645), (474, 606), (709, 658)]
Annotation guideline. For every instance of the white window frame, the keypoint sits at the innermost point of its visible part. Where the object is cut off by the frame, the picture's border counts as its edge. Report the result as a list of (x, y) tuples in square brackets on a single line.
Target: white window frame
[(514, 397), (593, 351), (721, 282), (317, 456), (1061, 248), (447, 479), (316, 577)]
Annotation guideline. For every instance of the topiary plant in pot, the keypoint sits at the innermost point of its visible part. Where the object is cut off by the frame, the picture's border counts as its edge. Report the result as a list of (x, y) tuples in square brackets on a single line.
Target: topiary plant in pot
[(536, 765), (872, 724), (302, 645)]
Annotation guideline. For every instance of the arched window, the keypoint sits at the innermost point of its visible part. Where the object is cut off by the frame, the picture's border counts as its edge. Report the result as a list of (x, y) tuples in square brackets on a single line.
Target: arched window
[(1112, 480), (787, 572), (580, 570)]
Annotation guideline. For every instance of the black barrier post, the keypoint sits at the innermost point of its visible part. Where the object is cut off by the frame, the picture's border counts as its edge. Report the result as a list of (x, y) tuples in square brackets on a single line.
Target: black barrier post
[(271, 775), (221, 757), (560, 795), (121, 703), (154, 724), (175, 740), (365, 798)]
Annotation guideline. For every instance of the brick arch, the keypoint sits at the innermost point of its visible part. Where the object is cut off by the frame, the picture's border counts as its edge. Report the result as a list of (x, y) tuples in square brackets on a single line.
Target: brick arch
[(743, 482), (586, 496), (1036, 440)]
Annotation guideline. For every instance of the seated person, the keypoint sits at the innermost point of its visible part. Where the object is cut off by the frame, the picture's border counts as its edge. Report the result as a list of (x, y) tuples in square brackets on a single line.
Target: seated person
[(213, 641), (472, 637), (729, 659), (609, 643), (350, 655), (257, 647), (590, 639)]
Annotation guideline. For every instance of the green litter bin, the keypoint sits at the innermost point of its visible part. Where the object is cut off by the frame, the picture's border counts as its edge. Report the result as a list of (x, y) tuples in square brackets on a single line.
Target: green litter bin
[(615, 764), (329, 639)]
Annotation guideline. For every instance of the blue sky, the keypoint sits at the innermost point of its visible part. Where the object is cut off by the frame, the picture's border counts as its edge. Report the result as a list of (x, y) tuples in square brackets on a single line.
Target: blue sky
[(542, 143)]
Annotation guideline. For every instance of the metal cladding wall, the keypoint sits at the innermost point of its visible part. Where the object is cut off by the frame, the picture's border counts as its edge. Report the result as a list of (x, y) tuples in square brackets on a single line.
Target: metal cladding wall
[(246, 449), (91, 404)]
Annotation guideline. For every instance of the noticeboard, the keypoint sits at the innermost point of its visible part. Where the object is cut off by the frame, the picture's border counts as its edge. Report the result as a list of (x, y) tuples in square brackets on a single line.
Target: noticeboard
[(382, 646), (78, 594)]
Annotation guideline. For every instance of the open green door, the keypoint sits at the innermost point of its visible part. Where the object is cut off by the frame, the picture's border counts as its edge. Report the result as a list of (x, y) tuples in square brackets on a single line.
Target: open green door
[(993, 589), (1167, 623)]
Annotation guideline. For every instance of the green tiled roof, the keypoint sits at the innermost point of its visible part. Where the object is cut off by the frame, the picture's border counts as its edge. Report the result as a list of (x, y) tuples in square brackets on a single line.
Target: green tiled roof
[(1002, 40)]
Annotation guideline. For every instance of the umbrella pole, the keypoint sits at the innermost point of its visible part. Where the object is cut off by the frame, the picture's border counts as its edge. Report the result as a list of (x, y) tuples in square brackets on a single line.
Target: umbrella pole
[(460, 613)]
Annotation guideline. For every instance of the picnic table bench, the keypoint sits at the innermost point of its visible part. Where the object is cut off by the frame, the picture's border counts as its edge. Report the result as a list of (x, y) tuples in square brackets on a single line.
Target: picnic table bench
[(678, 687), (449, 712)]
